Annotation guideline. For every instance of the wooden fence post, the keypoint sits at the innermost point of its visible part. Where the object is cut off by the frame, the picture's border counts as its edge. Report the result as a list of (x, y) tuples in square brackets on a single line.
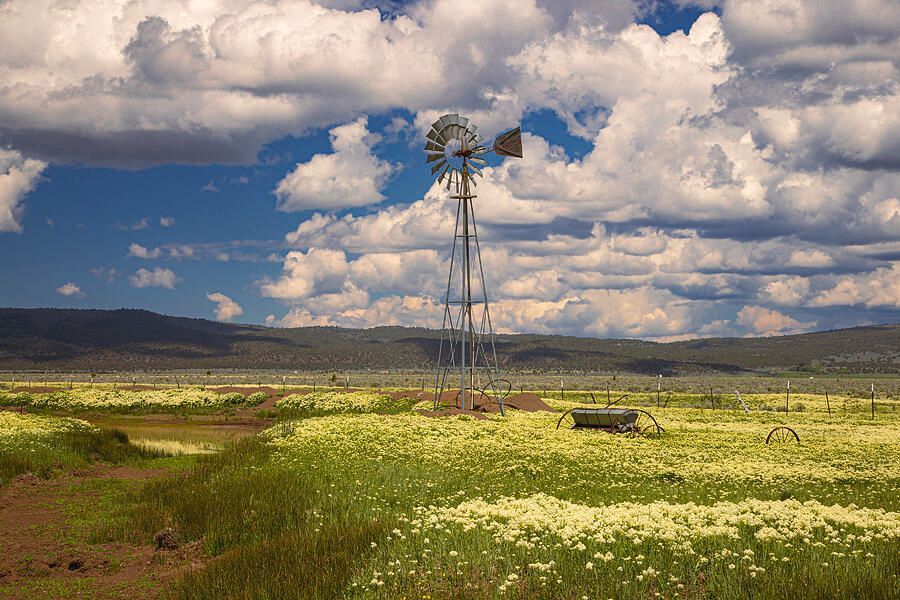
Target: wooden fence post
[(873, 399)]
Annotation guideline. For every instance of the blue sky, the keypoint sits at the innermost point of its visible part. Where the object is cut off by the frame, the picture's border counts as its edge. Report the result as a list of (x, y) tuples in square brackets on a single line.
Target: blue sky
[(691, 169)]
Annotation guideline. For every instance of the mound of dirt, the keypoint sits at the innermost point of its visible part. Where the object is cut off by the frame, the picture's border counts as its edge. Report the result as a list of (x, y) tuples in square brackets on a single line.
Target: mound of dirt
[(483, 404), (528, 402), (165, 539)]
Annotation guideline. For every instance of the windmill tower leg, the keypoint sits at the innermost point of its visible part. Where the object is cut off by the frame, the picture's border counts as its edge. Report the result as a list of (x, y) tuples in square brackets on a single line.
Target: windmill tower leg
[(466, 304), (473, 342)]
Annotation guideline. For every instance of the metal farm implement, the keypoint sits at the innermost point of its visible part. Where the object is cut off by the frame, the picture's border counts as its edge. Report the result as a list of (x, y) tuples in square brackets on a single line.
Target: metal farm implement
[(630, 421)]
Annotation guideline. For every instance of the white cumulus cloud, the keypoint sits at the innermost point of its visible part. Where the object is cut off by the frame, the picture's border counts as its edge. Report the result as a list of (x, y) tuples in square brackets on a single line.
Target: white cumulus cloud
[(226, 308), (768, 322), (158, 277), (18, 177), (138, 251), (351, 176), (70, 289)]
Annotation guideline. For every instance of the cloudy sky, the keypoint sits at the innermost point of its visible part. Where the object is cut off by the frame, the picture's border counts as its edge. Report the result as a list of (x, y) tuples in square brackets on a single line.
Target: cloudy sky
[(691, 169)]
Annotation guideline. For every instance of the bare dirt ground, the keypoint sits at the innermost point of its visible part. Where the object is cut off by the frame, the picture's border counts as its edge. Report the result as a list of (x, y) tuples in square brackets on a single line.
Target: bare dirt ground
[(483, 404), (38, 389), (40, 559)]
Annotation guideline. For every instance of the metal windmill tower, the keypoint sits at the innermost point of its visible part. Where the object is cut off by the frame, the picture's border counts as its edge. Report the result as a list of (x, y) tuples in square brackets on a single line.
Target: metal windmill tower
[(467, 335)]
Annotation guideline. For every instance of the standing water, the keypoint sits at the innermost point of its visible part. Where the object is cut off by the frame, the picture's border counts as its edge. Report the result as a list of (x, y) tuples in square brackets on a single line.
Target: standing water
[(187, 437)]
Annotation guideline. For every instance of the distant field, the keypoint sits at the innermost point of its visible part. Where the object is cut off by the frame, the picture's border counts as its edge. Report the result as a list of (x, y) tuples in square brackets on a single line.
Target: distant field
[(352, 494), (547, 384)]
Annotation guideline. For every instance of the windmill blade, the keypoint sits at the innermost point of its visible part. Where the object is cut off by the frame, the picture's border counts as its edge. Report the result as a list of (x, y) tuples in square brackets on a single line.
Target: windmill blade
[(454, 119), (453, 179), (437, 167), (463, 122), (433, 135), (475, 170), (509, 143), (434, 157), (434, 147), (443, 122), (478, 160), (443, 173), (452, 132)]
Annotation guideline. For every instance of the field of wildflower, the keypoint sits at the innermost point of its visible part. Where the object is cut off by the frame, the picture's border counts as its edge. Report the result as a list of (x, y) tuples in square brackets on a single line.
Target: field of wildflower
[(359, 495), (82, 398), (513, 507), (18, 431), (44, 445), (332, 402)]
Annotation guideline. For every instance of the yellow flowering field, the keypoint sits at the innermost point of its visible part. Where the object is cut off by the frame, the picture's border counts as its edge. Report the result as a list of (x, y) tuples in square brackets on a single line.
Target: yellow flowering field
[(513, 507), (28, 443), (84, 398), (17, 425), (341, 402)]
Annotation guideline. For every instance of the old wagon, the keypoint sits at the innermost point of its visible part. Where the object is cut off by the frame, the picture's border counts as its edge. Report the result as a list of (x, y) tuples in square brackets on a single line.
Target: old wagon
[(630, 421)]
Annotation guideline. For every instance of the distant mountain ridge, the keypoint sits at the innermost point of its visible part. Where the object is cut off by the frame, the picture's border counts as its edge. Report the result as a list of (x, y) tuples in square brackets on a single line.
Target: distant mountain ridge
[(128, 339)]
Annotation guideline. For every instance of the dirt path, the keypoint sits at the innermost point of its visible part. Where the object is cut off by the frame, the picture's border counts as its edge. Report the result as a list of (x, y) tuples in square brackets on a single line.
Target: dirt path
[(39, 558)]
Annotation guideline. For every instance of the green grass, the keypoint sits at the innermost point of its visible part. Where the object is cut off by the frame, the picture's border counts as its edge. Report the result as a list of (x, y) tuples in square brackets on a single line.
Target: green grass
[(264, 524), (71, 449)]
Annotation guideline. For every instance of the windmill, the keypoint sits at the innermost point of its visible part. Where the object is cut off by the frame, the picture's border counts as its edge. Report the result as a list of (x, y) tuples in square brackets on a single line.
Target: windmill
[(454, 151)]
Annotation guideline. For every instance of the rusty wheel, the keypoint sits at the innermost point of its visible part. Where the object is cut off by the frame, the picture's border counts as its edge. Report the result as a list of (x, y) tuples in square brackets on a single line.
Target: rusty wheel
[(479, 395), (566, 419), (502, 386), (643, 425), (782, 435)]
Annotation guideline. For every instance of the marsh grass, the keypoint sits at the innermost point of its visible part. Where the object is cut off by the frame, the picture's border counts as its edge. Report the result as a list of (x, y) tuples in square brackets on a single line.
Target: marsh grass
[(71, 449), (265, 528)]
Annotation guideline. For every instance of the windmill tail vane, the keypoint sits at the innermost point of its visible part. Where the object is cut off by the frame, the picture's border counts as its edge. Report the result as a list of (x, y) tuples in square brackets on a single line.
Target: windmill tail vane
[(454, 151)]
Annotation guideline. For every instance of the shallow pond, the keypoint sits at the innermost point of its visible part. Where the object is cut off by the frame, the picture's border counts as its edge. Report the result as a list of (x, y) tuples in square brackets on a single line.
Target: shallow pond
[(188, 437)]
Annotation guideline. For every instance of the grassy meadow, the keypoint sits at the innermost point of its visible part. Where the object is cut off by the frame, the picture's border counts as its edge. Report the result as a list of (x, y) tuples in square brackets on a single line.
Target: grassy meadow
[(358, 495)]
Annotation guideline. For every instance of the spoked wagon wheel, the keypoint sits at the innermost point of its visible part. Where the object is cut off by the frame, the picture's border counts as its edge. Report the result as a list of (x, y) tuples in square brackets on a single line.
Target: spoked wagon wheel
[(479, 395), (566, 420), (501, 385), (782, 435), (644, 425)]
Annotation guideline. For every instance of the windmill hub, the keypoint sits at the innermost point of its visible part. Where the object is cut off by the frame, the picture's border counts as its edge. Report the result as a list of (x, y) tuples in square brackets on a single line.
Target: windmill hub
[(454, 151)]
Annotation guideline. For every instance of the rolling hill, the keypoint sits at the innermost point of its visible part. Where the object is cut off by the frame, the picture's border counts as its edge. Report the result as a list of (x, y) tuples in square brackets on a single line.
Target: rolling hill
[(64, 339)]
